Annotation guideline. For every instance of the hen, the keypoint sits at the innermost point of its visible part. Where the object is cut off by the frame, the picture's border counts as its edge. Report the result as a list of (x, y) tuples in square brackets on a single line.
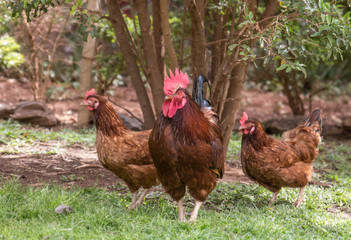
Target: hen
[(122, 151), (276, 163), (186, 146)]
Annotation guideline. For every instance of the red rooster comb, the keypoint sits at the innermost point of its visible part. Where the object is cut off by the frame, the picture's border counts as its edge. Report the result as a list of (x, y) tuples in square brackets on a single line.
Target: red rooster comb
[(172, 83), (243, 119), (90, 92)]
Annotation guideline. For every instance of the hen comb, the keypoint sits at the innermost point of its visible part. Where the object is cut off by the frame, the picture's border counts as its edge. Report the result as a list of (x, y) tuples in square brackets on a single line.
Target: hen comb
[(243, 119), (175, 81), (90, 92)]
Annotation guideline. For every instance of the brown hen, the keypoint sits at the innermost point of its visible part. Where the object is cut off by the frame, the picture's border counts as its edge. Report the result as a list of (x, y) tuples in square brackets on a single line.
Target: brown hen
[(276, 163), (120, 150)]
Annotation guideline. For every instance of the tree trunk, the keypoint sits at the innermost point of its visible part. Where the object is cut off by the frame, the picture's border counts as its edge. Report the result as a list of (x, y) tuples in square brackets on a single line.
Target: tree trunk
[(168, 35), (86, 65), (153, 75), (119, 26), (158, 36), (292, 92), (198, 38), (215, 48), (233, 100)]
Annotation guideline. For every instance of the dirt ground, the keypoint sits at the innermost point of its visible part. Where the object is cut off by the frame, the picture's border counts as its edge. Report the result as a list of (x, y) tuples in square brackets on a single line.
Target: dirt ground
[(78, 165)]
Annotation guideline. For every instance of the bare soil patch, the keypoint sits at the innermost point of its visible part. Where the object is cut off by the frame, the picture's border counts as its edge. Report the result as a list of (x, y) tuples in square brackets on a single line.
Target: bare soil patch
[(77, 165)]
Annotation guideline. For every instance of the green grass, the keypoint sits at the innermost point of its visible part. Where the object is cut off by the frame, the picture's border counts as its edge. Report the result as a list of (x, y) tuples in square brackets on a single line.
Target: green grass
[(232, 211), (14, 134)]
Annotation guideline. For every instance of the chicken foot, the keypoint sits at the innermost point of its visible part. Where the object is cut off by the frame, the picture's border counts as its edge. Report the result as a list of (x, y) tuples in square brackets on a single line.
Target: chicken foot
[(195, 211), (181, 212), (299, 198), (273, 198)]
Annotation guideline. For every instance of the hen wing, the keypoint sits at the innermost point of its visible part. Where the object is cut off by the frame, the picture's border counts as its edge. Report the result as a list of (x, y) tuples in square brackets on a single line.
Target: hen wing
[(304, 139), (137, 148)]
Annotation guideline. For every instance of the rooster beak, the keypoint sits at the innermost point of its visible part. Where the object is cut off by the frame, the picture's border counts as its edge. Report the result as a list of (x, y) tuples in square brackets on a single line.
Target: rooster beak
[(241, 128), (168, 97)]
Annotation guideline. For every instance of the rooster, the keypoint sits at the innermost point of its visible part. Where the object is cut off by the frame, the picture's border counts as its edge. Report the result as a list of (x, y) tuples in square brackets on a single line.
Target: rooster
[(276, 163), (186, 146), (122, 151)]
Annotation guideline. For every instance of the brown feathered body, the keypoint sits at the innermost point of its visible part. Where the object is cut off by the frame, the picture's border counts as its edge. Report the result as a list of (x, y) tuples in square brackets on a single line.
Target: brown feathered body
[(187, 151), (122, 151), (276, 163)]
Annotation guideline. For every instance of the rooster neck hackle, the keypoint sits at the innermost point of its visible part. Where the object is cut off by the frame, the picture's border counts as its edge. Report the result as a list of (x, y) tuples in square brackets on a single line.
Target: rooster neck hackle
[(188, 123), (107, 121)]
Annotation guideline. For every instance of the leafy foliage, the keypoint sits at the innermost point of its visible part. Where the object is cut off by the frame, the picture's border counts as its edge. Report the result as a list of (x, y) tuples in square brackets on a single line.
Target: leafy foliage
[(307, 33), (9, 52), (5, 17), (32, 8)]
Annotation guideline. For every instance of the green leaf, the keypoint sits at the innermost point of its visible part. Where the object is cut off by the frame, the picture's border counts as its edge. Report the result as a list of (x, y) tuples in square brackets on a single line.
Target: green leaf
[(330, 38), (85, 36), (232, 46), (250, 16), (303, 70), (73, 9), (327, 6), (329, 19), (316, 34), (282, 67)]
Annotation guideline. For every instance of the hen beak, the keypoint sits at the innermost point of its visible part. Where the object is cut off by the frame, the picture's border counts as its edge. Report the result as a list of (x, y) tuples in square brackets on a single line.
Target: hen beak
[(84, 103)]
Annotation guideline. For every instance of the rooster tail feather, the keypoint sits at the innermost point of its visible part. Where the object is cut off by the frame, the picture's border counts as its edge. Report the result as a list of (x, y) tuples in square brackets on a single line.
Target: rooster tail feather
[(195, 91), (203, 102), (314, 119)]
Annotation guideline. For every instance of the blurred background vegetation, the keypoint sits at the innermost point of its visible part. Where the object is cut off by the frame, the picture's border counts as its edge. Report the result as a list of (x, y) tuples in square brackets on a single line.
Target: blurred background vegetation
[(327, 74)]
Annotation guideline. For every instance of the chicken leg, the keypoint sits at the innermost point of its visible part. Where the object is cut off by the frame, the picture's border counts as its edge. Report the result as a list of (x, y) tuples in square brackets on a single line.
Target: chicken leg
[(134, 199), (273, 198), (141, 198), (195, 211), (299, 198), (181, 213)]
